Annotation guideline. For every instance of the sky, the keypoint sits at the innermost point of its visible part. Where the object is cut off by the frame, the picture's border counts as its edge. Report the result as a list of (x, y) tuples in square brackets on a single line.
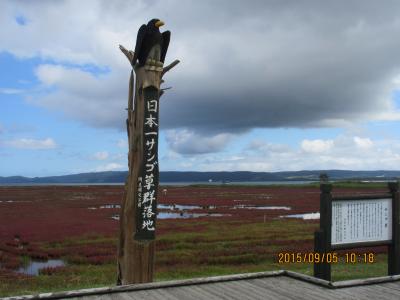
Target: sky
[(262, 85)]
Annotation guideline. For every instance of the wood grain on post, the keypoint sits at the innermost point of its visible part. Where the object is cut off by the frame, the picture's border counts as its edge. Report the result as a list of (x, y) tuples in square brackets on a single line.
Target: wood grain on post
[(394, 247), (322, 237), (136, 256)]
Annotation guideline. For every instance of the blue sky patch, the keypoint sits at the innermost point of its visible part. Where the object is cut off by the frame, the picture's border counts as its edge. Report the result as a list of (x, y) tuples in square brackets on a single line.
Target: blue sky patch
[(21, 20)]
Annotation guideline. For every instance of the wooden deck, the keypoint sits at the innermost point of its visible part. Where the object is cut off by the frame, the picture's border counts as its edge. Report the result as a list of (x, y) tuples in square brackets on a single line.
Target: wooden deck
[(264, 285)]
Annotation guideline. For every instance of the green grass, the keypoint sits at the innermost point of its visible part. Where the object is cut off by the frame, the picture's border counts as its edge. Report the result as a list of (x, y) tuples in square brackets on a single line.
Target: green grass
[(75, 277), (87, 276), (220, 249), (189, 249)]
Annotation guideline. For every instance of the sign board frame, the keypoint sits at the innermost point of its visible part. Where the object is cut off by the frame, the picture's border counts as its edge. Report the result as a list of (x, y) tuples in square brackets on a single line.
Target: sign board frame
[(360, 199), (323, 236)]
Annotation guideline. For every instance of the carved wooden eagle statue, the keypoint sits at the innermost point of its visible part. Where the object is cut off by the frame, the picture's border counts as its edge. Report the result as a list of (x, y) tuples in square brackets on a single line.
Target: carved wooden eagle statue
[(151, 44)]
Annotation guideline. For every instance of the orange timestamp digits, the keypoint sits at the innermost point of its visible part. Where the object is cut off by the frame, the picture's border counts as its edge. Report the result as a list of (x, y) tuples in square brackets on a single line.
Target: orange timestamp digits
[(308, 257), (352, 258), (328, 257)]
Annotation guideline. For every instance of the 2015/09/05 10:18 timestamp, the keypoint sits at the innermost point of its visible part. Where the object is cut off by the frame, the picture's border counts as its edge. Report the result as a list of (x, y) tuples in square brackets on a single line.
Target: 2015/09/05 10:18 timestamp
[(329, 257)]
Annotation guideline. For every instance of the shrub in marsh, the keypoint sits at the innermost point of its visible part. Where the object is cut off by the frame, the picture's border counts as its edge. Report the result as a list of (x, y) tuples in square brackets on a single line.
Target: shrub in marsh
[(101, 259), (163, 244), (52, 270), (230, 260), (56, 253), (13, 244), (9, 249), (11, 262), (40, 255), (92, 250), (76, 259)]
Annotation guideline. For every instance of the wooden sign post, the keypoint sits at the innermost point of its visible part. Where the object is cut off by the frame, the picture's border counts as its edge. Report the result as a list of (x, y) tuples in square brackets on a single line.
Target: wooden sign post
[(139, 205), (357, 221)]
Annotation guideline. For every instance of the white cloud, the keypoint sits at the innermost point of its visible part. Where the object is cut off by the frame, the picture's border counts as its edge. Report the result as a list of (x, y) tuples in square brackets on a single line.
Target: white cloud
[(388, 116), (110, 167), (51, 74), (260, 145), (244, 165), (96, 100), (342, 69), (122, 143), (32, 144), (343, 79), (188, 142), (342, 152), (316, 146), (363, 143), (85, 30), (101, 155), (119, 156), (10, 91)]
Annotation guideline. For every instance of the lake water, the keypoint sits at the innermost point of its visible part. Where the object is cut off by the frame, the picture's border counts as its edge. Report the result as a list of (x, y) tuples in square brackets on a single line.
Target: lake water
[(167, 183), (181, 207), (308, 216), (35, 265), (243, 206), (111, 206), (160, 206), (180, 215), (185, 215)]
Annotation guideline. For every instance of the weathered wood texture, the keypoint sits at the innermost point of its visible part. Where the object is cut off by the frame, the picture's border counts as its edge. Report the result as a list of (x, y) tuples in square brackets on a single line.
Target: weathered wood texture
[(281, 287), (136, 257), (394, 248), (322, 237), (262, 285)]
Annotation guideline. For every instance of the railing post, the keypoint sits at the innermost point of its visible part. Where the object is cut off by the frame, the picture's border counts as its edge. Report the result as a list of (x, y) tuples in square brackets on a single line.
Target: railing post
[(394, 247), (322, 237)]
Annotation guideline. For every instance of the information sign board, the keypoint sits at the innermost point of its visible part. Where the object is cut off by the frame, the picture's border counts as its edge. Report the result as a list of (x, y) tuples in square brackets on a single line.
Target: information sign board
[(364, 220)]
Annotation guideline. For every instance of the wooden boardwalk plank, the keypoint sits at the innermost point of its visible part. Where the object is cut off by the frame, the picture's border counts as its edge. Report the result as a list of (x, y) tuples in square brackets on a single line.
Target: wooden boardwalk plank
[(379, 290), (267, 289), (231, 289), (369, 292), (281, 286), (198, 292), (245, 290), (296, 286), (270, 288), (354, 293), (392, 285), (189, 293)]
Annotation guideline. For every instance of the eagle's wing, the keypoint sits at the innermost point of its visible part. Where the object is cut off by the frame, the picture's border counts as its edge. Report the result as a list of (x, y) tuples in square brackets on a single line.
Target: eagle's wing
[(165, 43), (139, 40)]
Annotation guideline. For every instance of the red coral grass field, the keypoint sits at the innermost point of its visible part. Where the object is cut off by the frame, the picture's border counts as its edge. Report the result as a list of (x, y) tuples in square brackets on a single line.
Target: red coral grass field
[(75, 224)]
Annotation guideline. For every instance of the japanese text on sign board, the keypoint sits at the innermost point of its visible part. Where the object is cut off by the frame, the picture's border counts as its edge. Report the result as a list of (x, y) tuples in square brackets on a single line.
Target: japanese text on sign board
[(147, 192), (361, 221)]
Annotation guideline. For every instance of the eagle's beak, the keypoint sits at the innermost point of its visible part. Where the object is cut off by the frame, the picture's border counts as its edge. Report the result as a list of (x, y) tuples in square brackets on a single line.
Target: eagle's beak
[(159, 23)]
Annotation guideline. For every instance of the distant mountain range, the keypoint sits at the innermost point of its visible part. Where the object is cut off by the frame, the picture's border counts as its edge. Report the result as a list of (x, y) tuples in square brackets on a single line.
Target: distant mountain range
[(172, 176)]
